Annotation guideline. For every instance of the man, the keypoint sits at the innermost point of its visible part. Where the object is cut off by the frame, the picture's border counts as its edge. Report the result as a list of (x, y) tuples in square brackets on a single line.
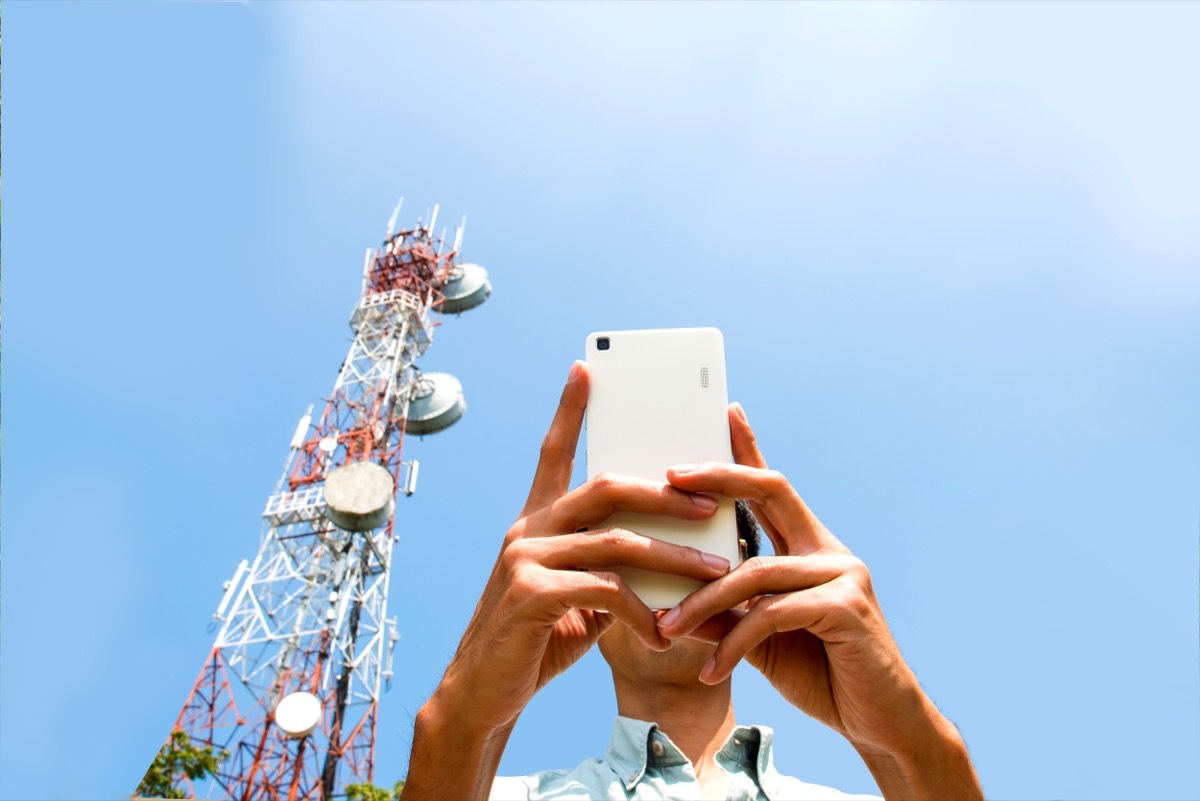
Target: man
[(807, 618)]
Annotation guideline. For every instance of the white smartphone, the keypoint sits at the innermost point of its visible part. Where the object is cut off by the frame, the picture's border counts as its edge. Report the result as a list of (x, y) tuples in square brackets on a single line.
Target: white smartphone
[(656, 399)]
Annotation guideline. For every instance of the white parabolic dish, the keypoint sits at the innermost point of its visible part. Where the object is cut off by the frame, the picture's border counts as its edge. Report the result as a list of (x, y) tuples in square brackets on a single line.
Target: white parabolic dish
[(466, 287), (298, 714), (436, 403), (359, 496)]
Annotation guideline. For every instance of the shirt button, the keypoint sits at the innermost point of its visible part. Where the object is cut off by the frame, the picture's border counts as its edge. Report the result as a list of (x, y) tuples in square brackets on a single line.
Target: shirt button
[(657, 748), (737, 740)]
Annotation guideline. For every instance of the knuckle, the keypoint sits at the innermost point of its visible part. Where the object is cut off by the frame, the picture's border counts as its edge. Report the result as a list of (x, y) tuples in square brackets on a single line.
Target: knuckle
[(625, 599), (608, 584), (525, 583), (858, 571), (856, 600), (755, 565), (607, 578), (565, 403), (766, 609), (619, 538), (604, 483), (515, 532), (515, 554), (777, 481), (859, 605), (551, 447)]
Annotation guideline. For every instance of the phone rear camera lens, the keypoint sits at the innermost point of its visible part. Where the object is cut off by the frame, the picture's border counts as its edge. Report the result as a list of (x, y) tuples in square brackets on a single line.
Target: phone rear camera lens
[(602, 343)]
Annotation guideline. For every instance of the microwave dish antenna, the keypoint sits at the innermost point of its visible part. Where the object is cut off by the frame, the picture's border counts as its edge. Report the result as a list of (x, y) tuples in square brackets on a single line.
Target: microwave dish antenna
[(466, 287), (359, 496), (436, 403)]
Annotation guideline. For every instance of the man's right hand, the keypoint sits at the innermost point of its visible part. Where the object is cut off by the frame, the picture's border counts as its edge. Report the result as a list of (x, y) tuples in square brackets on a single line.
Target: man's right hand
[(550, 596)]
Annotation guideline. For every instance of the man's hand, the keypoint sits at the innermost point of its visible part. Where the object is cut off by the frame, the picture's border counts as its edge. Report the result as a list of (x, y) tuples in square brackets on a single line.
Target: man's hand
[(550, 596), (814, 628)]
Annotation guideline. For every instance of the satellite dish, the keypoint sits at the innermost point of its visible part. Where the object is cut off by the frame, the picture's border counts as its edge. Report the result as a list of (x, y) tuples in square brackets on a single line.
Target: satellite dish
[(436, 403), (359, 496), (328, 444), (298, 714), (466, 287)]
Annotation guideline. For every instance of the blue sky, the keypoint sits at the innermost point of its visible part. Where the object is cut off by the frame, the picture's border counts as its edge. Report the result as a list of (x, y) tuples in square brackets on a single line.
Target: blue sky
[(953, 248)]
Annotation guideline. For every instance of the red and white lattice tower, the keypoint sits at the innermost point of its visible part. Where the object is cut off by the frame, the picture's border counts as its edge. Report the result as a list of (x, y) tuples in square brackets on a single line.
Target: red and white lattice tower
[(291, 687)]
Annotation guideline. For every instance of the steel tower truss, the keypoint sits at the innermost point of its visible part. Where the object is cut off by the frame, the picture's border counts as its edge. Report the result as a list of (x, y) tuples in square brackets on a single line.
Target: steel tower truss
[(310, 612)]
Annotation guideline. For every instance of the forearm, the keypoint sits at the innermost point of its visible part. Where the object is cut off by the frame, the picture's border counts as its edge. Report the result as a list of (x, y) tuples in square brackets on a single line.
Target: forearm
[(452, 758), (933, 764)]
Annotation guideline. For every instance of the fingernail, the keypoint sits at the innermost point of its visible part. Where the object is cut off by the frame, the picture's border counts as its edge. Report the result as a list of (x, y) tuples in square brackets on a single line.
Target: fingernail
[(709, 668), (716, 562), (684, 468), (670, 617), (576, 371), (737, 407), (705, 502)]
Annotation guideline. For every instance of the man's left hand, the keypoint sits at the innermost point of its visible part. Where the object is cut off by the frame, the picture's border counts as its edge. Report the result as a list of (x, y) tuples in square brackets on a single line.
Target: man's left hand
[(808, 619)]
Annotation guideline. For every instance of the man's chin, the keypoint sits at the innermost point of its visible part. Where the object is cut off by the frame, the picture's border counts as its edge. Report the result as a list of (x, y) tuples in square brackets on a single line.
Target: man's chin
[(679, 664)]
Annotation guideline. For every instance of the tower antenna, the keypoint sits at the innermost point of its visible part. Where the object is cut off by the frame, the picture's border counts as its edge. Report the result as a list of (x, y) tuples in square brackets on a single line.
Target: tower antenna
[(288, 696)]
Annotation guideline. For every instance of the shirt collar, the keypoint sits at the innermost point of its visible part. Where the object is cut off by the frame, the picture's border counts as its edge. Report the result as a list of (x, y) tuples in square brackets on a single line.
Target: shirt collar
[(633, 747), (628, 751), (753, 748)]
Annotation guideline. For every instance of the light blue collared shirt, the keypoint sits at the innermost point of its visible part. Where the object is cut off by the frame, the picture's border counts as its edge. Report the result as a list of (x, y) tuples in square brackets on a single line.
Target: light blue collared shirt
[(643, 763)]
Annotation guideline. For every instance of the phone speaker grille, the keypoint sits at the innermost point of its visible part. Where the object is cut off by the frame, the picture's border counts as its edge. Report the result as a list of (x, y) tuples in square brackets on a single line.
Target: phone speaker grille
[(704, 377)]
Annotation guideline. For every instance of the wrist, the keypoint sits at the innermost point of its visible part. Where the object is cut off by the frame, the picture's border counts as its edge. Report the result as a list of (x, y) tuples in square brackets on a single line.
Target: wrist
[(449, 720), (453, 756), (931, 762)]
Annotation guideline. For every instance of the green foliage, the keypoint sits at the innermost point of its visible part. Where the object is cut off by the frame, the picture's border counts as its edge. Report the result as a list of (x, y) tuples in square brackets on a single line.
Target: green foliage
[(177, 756), (369, 792)]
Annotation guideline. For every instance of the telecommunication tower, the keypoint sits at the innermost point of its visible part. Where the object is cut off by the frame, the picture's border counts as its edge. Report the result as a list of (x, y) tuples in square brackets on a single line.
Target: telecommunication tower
[(290, 689)]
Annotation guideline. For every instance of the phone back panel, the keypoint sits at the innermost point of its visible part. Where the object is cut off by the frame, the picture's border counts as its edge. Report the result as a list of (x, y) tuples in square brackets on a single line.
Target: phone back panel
[(658, 398)]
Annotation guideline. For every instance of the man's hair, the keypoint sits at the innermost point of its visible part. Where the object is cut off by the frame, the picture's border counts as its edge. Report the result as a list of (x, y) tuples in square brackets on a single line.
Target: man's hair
[(747, 528)]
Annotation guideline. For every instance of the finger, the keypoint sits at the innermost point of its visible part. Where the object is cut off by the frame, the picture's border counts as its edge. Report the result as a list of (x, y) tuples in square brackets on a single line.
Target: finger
[(741, 437), (613, 547), (762, 575), (604, 622), (745, 451), (716, 627), (557, 457), (607, 592), (607, 493), (792, 612), (799, 530)]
